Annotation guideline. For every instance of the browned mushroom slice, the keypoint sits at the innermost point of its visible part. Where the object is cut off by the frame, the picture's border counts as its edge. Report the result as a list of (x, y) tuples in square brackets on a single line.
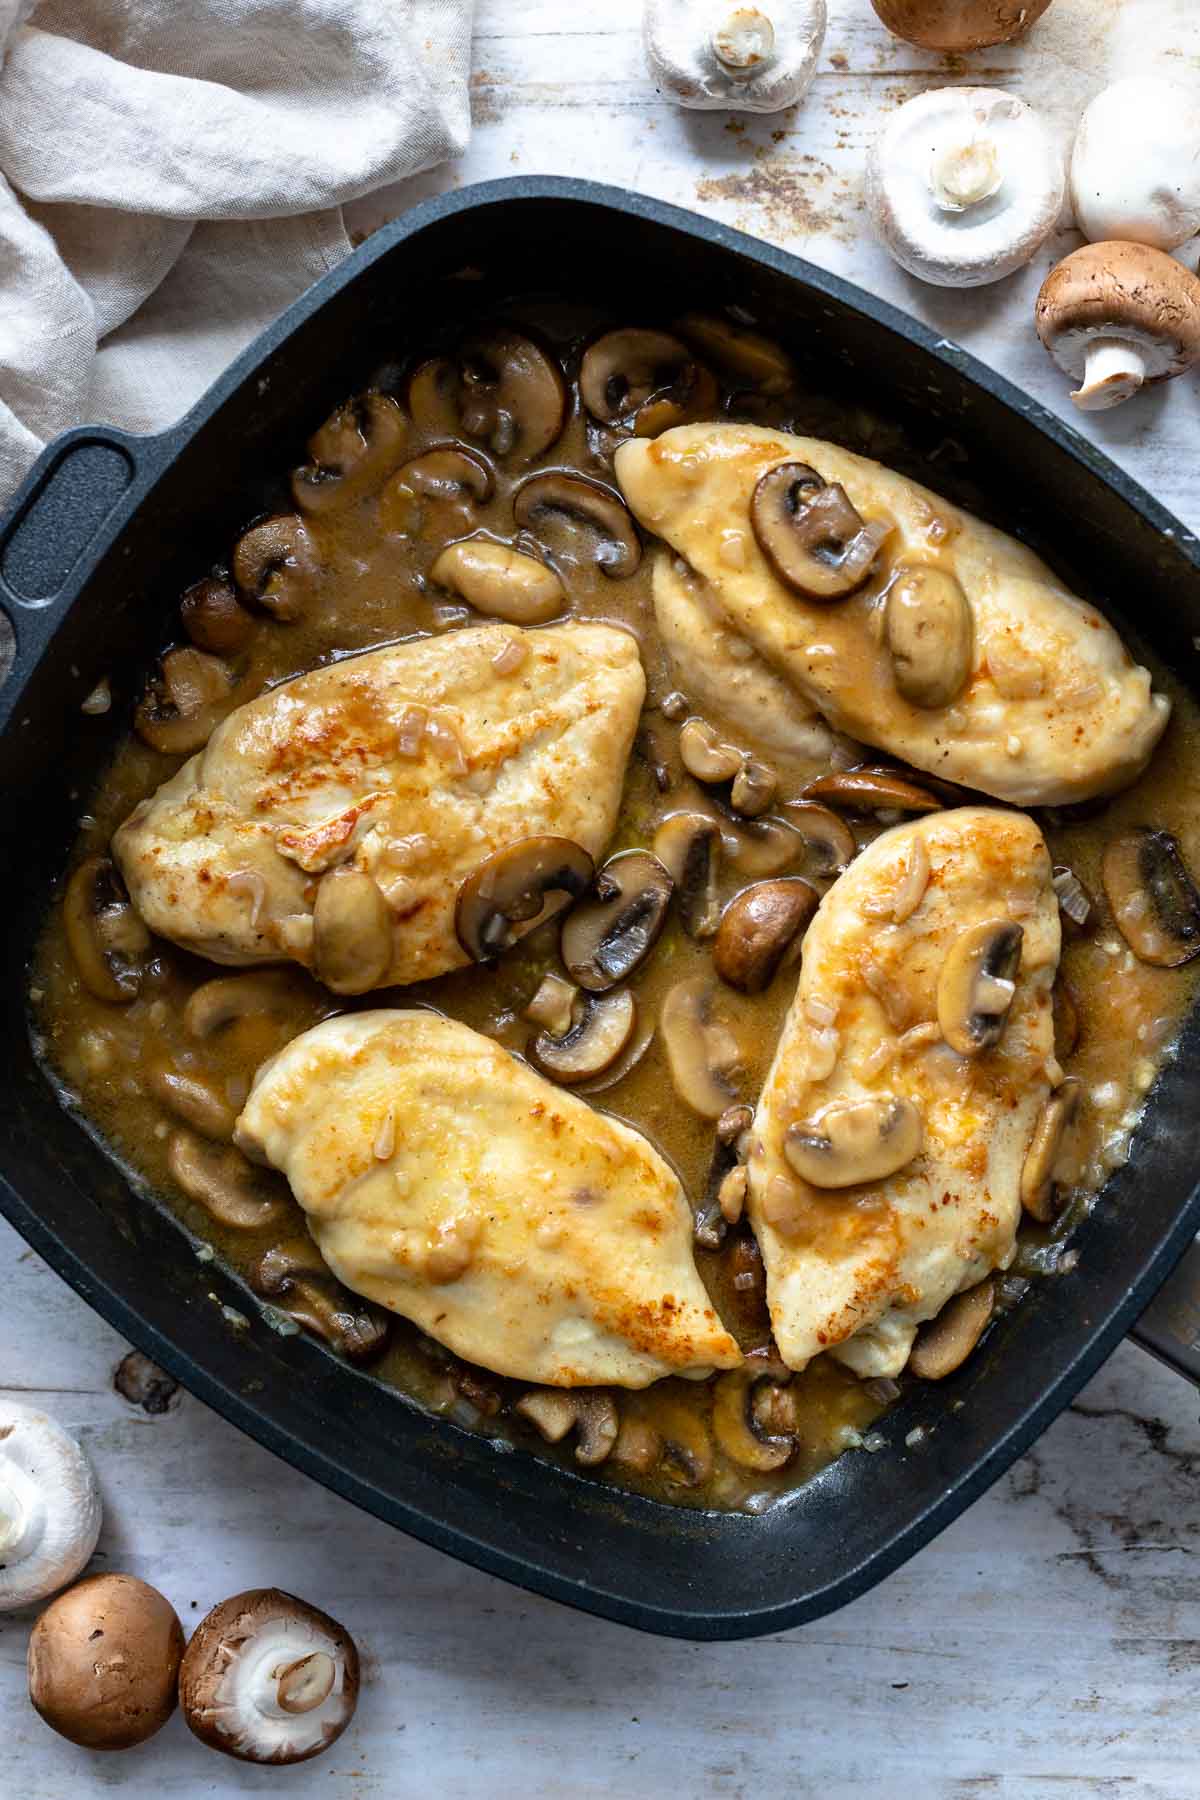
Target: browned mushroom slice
[(756, 359), (591, 1414), (930, 635), (591, 1044), (499, 581), (704, 755), (855, 1141), (352, 932), (638, 1446), (180, 711), (558, 505), (709, 1223), (1048, 1157), (810, 533), (352, 454), (225, 1183), (1153, 897), (687, 1448), (762, 847), (688, 845), (754, 788), (872, 790), (500, 389), (977, 985), (760, 932), (608, 936), (946, 1342), (274, 564), (646, 379), (106, 938), (448, 472), (293, 1276), (274, 994), (740, 1417), (195, 1100), (214, 618), (513, 887), (704, 1055), (829, 843)]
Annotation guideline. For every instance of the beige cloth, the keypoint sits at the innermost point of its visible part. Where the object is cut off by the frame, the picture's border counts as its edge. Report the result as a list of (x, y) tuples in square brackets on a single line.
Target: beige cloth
[(172, 174)]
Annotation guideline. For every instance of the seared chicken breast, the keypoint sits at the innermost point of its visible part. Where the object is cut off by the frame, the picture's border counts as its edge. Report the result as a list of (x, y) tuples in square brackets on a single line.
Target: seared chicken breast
[(446, 1180), (408, 766), (885, 1164), (1052, 708)]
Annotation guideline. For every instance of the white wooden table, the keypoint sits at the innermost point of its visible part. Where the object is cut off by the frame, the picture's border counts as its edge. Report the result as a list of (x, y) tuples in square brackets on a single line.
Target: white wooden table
[(1047, 1646)]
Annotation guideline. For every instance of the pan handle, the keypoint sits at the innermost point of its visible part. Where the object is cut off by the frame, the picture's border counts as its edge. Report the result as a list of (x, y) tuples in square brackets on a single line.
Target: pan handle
[(60, 508), (1170, 1326)]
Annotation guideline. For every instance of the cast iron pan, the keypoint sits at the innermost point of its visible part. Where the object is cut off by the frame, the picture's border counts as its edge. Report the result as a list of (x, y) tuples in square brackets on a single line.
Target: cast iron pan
[(93, 555)]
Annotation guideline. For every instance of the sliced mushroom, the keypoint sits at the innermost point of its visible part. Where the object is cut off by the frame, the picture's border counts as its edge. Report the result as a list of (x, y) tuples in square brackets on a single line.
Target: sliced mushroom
[(743, 352), (853, 1142), (1153, 897), (930, 635), (705, 1057), (585, 505), (502, 582), (352, 454), (607, 937), (225, 1183), (105, 936), (592, 1044), (762, 847), (214, 618), (687, 1448), (760, 932), (591, 1415), (754, 788), (267, 993), (512, 887), (646, 379), (180, 711), (688, 845), (500, 389), (1046, 1159), (704, 755), (869, 790), (709, 1223), (946, 1342), (737, 1418), (194, 1100), (352, 932), (274, 563), (978, 984), (293, 1276), (638, 1446), (829, 843), (811, 535), (448, 472)]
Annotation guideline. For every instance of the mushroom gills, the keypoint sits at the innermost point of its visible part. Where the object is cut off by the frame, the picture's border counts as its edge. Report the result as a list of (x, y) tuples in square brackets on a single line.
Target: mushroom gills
[(1153, 897), (293, 1276), (352, 453), (977, 985), (813, 538), (741, 1419), (853, 1142), (607, 938), (647, 380)]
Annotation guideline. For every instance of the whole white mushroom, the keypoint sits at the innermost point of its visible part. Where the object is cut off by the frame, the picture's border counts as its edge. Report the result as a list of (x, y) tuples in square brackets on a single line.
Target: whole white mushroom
[(963, 185), (715, 54), (49, 1506), (1135, 169)]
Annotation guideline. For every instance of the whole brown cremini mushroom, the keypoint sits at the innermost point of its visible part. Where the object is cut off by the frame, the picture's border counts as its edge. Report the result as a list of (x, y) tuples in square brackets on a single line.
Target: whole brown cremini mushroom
[(103, 1662), (268, 1678), (959, 24), (1116, 317)]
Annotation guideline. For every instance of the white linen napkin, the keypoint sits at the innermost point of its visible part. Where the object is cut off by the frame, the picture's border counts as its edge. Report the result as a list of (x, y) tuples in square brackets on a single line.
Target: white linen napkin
[(172, 174)]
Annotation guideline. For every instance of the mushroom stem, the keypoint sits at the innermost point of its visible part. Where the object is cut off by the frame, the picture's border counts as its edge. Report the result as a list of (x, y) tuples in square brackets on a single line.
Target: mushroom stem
[(1115, 369), (744, 42), (965, 174)]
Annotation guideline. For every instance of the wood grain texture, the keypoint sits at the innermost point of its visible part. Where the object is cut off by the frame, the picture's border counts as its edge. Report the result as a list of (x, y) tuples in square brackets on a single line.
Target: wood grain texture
[(1047, 1646)]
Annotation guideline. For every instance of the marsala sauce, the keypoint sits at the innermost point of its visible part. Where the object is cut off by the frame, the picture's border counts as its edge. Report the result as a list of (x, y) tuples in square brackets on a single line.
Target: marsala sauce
[(371, 589)]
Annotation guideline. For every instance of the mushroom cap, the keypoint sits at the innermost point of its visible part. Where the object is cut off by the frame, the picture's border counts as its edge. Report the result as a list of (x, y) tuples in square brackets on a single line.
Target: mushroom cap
[(233, 1681), (49, 1506), (1125, 291), (772, 49), (1135, 169), (959, 24), (103, 1662), (952, 241)]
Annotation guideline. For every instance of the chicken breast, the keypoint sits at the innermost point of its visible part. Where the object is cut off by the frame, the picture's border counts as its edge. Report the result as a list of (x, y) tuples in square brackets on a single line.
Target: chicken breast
[(726, 679), (410, 765), (1053, 709), (449, 1182), (855, 1269)]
